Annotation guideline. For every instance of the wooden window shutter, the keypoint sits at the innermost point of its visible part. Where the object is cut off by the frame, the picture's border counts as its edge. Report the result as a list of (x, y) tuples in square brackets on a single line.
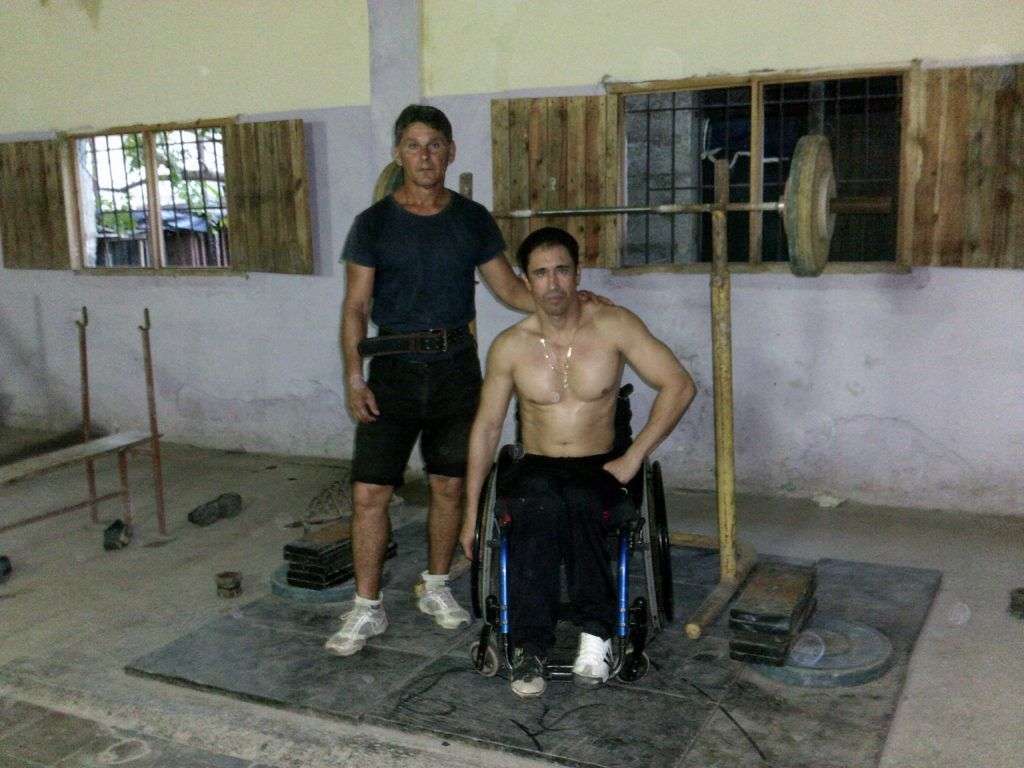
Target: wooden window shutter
[(964, 168), (559, 152), (33, 215), (268, 197)]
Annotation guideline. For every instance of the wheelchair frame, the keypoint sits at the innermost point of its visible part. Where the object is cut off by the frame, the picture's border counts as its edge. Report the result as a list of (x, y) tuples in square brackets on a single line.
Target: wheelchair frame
[(636, 623)]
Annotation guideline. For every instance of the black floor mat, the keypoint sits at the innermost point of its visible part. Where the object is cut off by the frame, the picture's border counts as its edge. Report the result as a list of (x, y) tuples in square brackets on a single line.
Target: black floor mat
[(695, 707)]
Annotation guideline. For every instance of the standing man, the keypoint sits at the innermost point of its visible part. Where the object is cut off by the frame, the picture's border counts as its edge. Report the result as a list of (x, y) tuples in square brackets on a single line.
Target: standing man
[(412, 258), (564, 363)]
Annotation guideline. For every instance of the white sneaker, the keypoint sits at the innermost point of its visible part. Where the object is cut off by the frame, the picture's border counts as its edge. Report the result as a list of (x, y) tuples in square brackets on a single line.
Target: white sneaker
[(361, 622), (441, 604), (593, 660)]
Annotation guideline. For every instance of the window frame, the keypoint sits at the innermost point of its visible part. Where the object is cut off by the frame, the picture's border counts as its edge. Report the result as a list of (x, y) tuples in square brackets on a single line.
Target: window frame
[(155, 229), (757, 81)]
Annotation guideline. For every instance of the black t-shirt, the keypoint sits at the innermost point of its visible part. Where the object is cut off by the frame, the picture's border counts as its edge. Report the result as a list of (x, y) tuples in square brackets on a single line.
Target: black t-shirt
[(424, 264)]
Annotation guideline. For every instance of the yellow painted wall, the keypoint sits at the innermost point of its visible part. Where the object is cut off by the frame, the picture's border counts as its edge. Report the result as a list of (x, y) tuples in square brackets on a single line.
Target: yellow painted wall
[(81, 64), (495, 45)]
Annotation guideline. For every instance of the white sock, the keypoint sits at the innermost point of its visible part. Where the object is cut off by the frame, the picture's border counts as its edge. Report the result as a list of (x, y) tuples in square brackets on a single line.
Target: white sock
[(367, 602), (432, 581)]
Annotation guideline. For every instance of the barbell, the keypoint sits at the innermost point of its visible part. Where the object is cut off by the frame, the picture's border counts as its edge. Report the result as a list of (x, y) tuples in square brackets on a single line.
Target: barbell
[(808, 205)]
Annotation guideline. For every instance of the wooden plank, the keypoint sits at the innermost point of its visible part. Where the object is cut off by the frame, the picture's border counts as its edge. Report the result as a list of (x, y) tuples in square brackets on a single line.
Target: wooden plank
[(926, 198), (500, 167), (215, 122), (1014, 255), (36, 465), (590, 248), (911, 158), (1006, 165), (519, 167), (576, 166), (298, 194), (536, 145), (33, 214), (756, 170), (611, 226), (980, 176), (237, 195), (728, 81), (948, 242), (555, 164), (56, 213)]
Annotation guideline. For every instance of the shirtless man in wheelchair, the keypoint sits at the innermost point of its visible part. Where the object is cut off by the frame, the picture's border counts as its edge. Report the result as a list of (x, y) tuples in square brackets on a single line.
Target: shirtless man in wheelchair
[(564, 363)]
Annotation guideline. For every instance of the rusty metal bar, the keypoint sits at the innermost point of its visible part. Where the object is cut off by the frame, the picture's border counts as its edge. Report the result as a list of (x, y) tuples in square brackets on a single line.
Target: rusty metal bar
[(56, 512), (839, 205), (83, 361), (154, 431), (126, 495)]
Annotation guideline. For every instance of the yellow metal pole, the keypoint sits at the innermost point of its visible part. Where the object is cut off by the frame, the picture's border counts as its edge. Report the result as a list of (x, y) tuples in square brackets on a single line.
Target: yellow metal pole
[(721, 343)]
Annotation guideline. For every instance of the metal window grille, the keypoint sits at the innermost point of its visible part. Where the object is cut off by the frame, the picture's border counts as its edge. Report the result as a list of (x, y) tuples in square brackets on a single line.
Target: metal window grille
[(114, 173), (193, 199), (115, 200), (673, 139)]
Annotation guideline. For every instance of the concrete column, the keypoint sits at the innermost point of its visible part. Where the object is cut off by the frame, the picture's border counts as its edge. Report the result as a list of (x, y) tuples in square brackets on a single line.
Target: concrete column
[(395, 71)]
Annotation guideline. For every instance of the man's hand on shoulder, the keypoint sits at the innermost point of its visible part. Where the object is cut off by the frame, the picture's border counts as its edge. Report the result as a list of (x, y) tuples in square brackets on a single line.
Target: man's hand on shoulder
[(595, 297)]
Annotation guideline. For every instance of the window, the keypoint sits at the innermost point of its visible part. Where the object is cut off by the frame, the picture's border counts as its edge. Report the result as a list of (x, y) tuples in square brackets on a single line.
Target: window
[(167, 182), (674, 137)]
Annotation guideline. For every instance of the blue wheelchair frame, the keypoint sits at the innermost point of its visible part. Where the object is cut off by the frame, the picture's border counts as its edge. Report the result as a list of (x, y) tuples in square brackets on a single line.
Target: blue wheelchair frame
[(646, 533)]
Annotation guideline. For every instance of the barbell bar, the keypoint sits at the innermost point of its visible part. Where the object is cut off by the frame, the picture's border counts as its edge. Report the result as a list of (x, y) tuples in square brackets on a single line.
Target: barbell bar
[(808, 205)]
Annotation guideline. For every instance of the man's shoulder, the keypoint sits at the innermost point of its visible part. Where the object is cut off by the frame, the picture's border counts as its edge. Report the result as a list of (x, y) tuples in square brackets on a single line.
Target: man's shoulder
[(515, 337), (469, 207), (378, 209), (608, 316)]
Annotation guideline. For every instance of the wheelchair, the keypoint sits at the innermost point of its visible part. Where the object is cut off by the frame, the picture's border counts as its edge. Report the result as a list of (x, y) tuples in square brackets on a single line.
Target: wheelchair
[(647, 533)]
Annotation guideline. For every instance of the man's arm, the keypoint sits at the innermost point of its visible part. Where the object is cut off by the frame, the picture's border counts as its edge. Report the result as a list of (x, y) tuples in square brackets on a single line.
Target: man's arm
[(355, 313), (486, 431), (505, 285), (512, 291), (659, 368)]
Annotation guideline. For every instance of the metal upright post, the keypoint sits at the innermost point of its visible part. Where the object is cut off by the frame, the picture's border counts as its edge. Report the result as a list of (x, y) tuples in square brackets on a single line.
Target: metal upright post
[(83, 362), (154, 431)]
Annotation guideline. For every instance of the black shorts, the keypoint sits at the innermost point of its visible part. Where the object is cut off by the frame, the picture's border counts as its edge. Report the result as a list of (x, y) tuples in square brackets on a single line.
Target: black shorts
[(434, 400)]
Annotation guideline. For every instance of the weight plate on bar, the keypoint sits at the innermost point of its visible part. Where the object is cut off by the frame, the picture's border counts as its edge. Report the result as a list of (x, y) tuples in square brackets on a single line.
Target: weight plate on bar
[(661, 552), (390, 179), (809, 222)]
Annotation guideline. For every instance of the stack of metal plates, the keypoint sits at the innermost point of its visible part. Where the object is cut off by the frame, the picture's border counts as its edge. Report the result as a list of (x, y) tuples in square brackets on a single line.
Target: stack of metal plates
[(769, 613), (316, 564)]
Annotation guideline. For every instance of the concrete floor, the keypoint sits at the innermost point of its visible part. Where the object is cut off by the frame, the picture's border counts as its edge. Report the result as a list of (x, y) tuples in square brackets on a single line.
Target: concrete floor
[(72, 615)]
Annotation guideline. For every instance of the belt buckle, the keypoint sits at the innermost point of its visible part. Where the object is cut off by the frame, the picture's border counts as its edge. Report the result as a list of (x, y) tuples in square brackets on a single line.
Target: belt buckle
[(427, 343), (443, 334)]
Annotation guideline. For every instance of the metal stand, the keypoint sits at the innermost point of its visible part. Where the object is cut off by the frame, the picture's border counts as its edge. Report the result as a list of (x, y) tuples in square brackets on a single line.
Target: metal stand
[(732, 569)]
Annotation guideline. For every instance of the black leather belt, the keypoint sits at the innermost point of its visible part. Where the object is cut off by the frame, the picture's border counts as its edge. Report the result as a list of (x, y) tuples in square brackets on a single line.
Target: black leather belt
[(434, 340)]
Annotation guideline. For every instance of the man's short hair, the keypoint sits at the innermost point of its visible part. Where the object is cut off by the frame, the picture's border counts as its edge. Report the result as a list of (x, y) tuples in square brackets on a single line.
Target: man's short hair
[(546, 237), (421, 113)]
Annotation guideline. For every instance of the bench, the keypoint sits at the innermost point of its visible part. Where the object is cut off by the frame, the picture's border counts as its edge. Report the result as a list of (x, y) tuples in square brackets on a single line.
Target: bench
[(120, 443)]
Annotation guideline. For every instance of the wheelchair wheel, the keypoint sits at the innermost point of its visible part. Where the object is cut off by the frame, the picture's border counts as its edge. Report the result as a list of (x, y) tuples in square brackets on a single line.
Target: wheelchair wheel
[(480, 571), (634, 667), (490, 660), (661, 548)]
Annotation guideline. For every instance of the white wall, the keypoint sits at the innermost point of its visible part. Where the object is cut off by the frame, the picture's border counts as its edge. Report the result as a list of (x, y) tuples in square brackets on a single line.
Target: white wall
[(903, 389)]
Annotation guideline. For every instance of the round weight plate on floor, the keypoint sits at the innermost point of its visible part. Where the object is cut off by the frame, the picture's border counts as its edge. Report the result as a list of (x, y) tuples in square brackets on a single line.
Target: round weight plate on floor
[(831, 653), (808, 218), (661, 548), (390, 179)]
